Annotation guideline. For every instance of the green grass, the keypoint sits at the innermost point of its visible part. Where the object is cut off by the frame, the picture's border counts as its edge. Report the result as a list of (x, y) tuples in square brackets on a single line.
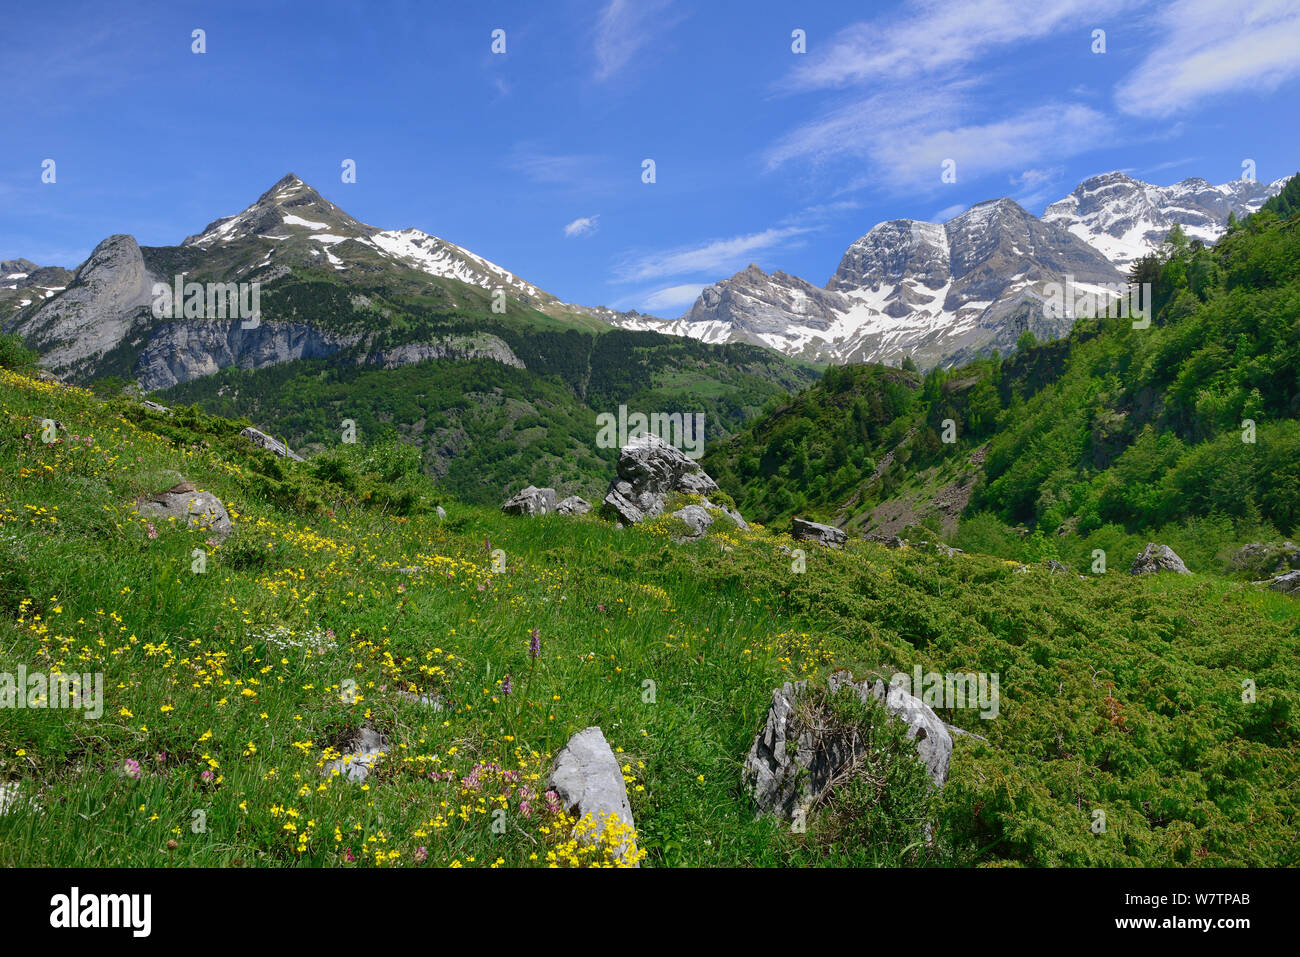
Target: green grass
[(1117, 694)]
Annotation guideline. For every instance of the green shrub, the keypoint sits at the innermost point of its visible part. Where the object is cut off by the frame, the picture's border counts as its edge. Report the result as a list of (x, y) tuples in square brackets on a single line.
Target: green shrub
[(15, 355)]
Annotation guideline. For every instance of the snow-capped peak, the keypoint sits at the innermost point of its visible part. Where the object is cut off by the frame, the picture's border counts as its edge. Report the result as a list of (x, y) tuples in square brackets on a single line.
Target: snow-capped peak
[(1126, 218)]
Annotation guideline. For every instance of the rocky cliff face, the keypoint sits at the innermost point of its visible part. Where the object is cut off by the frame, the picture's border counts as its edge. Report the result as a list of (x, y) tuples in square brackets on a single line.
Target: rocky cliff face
[(183, 350), (106, 301), (484, 346), (1126, 218)]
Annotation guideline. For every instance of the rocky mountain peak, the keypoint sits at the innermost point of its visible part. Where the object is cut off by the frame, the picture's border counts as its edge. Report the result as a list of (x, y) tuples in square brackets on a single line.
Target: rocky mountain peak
[(288, 208), (1126, 218), (16, 267)]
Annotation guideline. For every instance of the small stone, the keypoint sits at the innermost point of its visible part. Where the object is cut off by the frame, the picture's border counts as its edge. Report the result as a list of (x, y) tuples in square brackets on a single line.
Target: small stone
[(366, 748), (573, 505)]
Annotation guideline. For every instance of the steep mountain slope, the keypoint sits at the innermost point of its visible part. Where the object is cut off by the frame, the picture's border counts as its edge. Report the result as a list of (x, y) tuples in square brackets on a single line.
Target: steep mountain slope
[(1126, 218), (293, 225), (939, 293)]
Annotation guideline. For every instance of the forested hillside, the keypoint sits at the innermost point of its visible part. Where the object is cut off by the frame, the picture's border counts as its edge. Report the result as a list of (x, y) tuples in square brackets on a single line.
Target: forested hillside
[(484, 428), (1186, 428)]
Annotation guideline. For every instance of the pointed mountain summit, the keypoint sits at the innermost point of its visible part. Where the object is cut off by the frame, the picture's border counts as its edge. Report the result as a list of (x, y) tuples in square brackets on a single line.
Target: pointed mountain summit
[(293, 225), (287, 208)]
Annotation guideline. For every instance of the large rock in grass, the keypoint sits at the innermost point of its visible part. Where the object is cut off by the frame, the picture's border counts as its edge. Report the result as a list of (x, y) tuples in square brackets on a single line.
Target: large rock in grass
[(816, 532), (272, 445), (531, 501), (1157, 558), (186, 504), (800, 753), (589, 781), (650, 471)]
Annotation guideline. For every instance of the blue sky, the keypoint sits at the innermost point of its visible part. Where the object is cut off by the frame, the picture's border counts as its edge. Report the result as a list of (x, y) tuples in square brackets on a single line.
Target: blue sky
[(533, 158)]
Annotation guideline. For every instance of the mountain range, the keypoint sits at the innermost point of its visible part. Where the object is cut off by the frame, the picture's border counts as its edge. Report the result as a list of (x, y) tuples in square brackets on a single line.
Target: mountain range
[(943, 294), (940, 294)]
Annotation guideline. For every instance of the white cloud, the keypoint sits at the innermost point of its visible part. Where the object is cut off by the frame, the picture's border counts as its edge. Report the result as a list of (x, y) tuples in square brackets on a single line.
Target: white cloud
[(1170, 164), (581, 226), (717, 256), (905, 144), (623, 28), (673, 297), (850, 129), (933, 35), (948, 212), (1210, 47)]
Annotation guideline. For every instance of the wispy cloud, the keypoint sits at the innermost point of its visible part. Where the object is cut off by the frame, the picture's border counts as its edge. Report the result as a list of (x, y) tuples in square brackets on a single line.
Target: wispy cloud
[(937, 35), (1209, 47), (671, 298), (948, 212), (581, 226), (624, 28), (553, 168), (717, 256), (907, 143), (1170, 164), (1036, 186)]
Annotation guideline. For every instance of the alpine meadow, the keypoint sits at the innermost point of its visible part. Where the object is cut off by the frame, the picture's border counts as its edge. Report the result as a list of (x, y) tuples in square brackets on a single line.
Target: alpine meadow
[(331, 546)]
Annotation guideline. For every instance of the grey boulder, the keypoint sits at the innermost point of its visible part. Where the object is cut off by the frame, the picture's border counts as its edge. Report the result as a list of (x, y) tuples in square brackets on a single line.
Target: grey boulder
[(797, 755), (589, 781), (807, 531), (697, 519), (1157, 558), (531, 501), (272, 445), (185, 503), (651, 470), (1288, 584)]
